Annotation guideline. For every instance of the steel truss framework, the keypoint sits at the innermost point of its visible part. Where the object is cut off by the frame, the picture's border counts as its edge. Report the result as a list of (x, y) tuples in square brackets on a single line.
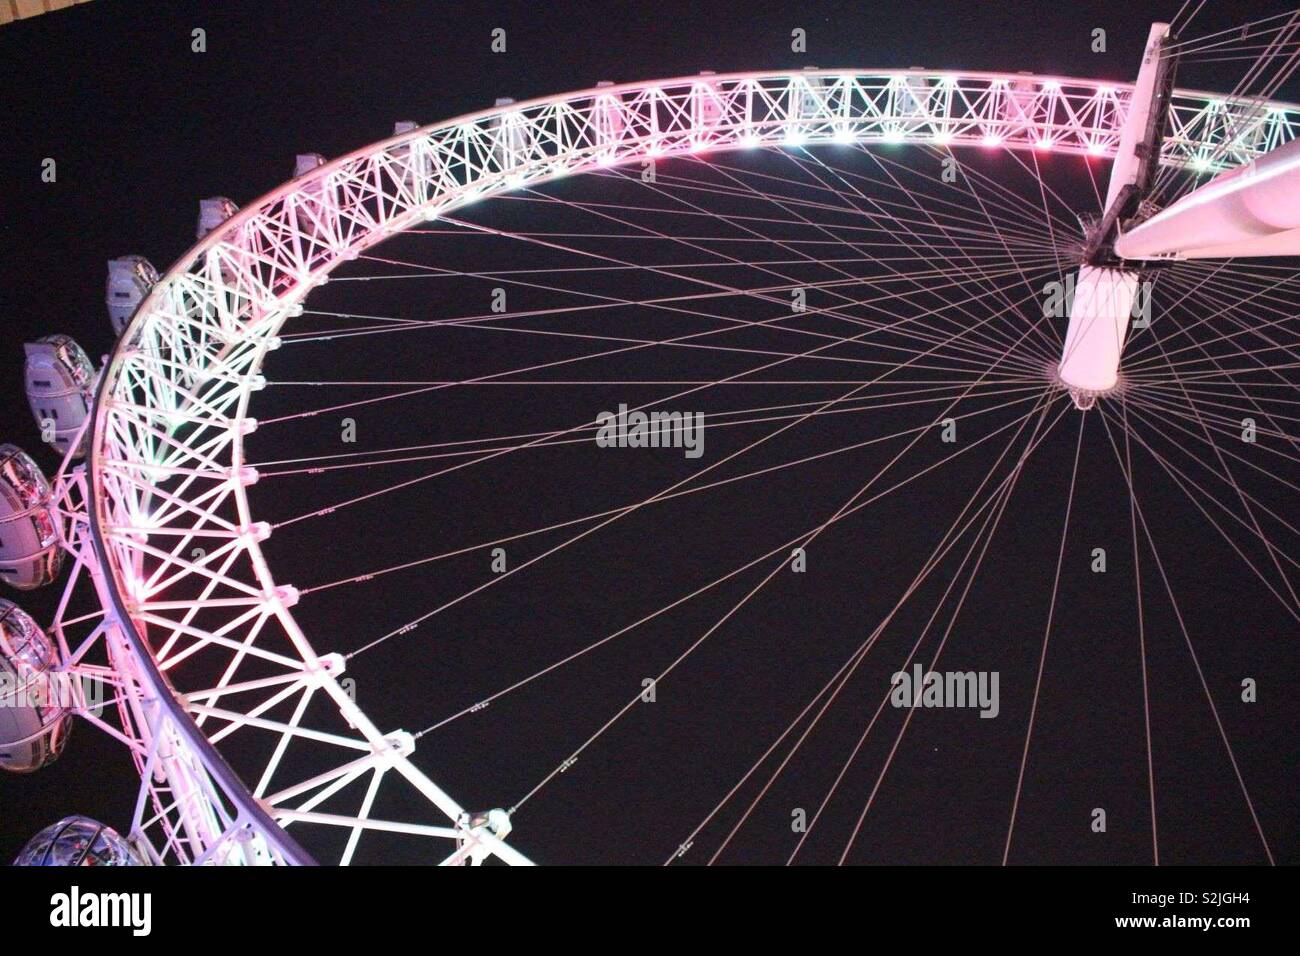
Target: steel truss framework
[(158, 521)]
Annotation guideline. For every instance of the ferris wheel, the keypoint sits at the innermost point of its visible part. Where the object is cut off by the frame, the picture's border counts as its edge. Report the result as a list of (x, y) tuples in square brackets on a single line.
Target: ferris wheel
[(914, 285)]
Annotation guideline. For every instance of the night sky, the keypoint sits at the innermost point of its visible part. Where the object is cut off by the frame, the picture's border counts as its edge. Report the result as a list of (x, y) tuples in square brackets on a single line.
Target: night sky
[(142, 128)]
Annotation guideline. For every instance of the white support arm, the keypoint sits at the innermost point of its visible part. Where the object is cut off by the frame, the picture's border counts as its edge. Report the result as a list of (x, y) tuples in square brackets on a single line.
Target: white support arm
[(1135, 154), (1253, 210), (1104, 297)]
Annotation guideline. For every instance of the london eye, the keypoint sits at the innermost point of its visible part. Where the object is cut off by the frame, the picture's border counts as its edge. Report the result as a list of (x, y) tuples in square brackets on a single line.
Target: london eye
[(748, 465)]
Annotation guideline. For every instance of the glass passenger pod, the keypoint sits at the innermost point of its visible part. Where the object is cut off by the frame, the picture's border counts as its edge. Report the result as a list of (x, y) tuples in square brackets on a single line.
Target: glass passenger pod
[(60, 389), (410, 163), (314, 210), (212, 213), (1019, 107), (512, 140), (35, 719), (811, 104), (220, 268), (707, 111), (29, 542), (78, 841), (129, 280), (609, 123), (912, 94)]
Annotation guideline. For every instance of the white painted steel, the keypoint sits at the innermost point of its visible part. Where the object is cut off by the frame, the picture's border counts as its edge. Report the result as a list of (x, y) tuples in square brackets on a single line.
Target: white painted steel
[(167, 471)]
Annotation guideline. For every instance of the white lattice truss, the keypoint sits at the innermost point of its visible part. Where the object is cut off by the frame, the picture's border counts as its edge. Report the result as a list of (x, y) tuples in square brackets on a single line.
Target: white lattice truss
[(168, 540)]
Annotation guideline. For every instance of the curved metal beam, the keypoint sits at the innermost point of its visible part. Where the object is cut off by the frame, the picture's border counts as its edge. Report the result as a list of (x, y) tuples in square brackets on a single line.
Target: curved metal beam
[(172, 409)]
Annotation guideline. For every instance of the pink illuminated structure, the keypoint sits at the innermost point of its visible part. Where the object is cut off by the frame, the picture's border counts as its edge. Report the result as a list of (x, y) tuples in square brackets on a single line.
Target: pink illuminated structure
[(166, 471)]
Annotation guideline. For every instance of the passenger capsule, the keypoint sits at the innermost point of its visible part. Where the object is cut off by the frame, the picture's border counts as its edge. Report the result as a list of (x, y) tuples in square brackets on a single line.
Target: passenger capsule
[(513, 137), (912, 101), (60, 389), (1019, 103), (304, 163), (706, 108), (813, 99), (29, 540), (212, 213), (78, 841), (314, 210), (609, 119), (34, 723), (412, 166), (129, 280)]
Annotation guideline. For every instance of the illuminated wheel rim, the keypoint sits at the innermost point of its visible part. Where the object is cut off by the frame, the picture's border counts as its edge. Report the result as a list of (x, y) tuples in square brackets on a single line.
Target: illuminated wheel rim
[(167, 470)]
